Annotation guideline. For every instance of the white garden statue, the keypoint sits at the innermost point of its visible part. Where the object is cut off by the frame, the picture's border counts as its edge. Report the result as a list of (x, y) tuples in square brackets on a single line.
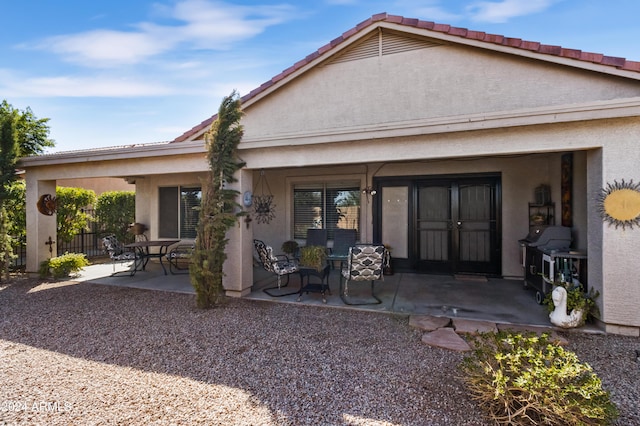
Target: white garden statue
[(559, 315)]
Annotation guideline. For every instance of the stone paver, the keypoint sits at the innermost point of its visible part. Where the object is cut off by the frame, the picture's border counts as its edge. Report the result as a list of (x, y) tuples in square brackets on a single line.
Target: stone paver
[(428, 322), (446, 338), (466, 326)]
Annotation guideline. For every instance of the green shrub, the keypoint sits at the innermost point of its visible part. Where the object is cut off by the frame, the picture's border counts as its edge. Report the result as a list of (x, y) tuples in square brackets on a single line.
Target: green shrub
[(116, 210), (529, 380), (63, 266)]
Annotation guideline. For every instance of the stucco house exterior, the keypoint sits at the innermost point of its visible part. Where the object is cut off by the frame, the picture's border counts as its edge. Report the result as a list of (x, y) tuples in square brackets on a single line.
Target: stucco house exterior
[(429, 138)]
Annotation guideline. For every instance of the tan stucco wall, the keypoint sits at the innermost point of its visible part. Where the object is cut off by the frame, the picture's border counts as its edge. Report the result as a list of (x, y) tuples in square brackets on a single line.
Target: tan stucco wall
[(98, 185), (444, 81)]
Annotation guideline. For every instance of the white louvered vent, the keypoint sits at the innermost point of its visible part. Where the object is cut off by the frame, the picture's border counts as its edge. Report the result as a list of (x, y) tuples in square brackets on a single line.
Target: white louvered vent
[(384, 42), (367, 48), (398, 43)]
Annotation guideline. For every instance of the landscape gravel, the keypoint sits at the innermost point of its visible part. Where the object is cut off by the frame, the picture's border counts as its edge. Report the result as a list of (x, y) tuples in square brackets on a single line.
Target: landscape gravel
[(87, 354)]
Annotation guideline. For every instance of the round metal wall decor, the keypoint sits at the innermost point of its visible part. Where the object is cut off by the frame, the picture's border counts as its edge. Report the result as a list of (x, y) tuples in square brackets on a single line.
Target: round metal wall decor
[(47, 204), (619, 204), (263, 205)]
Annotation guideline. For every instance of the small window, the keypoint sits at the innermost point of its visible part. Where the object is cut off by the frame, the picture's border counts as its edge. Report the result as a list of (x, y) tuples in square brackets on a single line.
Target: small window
[(324, 205), (179, 211)]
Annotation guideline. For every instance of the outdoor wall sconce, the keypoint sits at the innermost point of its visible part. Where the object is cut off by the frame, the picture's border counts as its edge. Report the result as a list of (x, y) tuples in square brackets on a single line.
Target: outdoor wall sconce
[(619, 204), (369, 191)]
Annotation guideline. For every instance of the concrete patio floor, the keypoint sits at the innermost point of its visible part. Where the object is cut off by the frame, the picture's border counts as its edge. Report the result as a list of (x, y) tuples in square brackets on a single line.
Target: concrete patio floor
[(496, 300)]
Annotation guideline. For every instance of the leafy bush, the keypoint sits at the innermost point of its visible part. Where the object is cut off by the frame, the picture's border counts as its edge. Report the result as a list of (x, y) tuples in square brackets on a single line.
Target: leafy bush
[(71, 217), (63, 266), (116, 210), (529, 380)]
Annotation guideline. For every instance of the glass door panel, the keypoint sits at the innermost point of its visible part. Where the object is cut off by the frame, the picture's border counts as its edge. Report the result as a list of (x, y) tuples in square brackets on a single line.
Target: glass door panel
[(395, 219)]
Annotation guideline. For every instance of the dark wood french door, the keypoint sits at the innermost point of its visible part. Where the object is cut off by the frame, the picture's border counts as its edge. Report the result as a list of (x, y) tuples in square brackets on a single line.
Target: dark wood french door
[(441, 224)]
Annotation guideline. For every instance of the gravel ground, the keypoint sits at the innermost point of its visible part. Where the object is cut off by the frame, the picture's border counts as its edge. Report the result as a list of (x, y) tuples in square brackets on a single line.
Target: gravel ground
[(90, 354)]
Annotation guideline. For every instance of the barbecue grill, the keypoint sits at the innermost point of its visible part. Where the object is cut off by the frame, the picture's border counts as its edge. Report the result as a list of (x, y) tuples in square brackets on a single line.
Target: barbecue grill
[(539, 250)]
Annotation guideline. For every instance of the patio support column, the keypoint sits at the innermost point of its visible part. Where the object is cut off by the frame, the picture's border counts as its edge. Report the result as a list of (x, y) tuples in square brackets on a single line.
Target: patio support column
[(238, 268), (39, 226)]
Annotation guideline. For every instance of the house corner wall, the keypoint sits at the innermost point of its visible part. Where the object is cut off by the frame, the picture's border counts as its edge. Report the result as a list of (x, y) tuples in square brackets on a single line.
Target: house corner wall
[(238, 268), (40, 227)]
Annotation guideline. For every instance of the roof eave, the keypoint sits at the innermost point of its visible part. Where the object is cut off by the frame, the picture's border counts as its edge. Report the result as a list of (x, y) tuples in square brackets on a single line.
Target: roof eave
[(122, 153)]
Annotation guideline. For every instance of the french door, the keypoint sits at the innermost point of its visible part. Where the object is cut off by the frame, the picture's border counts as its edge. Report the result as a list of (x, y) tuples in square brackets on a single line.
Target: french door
[(441, 224)]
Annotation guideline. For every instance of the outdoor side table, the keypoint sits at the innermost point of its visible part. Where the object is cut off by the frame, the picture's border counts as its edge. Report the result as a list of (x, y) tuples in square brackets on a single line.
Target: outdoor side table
[(322, 287)]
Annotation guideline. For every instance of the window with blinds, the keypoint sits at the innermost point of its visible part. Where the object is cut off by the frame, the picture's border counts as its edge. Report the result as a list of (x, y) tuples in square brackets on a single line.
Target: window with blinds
[(325, 205), (179, 211), (190, 201)]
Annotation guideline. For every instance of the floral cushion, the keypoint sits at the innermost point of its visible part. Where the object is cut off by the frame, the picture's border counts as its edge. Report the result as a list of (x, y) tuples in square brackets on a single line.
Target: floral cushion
[(280, 264), (116, 250)]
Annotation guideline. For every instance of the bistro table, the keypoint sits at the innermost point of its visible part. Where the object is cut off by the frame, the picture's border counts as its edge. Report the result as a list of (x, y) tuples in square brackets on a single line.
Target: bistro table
[(321, 287), (143, 254)]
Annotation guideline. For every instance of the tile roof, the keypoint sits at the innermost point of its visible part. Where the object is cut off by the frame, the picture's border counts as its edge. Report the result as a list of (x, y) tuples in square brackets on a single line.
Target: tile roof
[(532, 46)]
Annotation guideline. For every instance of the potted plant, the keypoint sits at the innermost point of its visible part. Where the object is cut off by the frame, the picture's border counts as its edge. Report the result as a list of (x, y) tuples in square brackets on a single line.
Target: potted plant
[(313, 257), (290, 247), (573, 306)]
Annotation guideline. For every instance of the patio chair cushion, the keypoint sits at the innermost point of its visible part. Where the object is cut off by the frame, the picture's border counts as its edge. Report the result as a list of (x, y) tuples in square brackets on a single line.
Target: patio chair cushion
[(279, 264), (116, 250), (364, 263)]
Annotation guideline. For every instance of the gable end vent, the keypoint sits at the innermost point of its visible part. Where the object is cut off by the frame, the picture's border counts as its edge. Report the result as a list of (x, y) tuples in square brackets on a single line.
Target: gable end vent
[(397, 43), (383, 43)]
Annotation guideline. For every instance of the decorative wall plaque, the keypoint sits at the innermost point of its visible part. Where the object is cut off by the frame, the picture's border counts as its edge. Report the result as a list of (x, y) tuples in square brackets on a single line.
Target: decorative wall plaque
[(47, 204), (619, 204)]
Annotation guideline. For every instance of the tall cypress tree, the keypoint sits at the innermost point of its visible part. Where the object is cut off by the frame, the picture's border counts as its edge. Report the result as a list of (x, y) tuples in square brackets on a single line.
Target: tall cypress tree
[(219, 210)]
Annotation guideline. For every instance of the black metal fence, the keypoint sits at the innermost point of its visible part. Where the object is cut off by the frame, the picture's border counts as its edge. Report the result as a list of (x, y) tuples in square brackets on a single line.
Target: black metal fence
[(88, 241)]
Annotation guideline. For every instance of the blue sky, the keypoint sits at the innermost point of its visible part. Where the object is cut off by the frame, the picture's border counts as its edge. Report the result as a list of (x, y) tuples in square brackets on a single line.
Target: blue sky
[(119, 72)]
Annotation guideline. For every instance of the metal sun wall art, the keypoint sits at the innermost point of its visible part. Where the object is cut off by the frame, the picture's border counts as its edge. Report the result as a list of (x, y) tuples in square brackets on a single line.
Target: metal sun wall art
[(263, 206), (619, 204)]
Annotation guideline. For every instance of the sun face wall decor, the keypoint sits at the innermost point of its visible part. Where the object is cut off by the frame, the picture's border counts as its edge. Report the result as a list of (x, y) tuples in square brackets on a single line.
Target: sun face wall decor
[(619, 204)]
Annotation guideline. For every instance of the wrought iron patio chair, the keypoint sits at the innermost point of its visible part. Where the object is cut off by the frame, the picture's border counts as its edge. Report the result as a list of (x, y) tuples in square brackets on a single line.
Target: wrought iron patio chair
[(364, 263), (118, 253), (179, 258), (278, 264)]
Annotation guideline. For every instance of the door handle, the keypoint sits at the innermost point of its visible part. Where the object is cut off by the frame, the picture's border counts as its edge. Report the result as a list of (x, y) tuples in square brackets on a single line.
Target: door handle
[(459, 224)]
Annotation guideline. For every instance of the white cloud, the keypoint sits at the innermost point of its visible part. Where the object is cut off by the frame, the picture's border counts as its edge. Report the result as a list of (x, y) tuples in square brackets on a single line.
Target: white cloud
[(106, 48), (502, 11), (66, 86), (199, 24)]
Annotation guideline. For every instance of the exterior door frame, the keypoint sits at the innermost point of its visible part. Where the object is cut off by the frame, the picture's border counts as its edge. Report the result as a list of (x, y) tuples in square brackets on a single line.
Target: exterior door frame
[(411, 263)]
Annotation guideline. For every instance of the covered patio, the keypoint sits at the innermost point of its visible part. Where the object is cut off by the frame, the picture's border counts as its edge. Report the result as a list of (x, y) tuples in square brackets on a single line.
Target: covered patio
[(477, 298)]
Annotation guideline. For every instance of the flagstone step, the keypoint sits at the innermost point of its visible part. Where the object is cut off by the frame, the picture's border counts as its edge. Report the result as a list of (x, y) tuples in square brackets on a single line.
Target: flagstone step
[(447, 333)]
